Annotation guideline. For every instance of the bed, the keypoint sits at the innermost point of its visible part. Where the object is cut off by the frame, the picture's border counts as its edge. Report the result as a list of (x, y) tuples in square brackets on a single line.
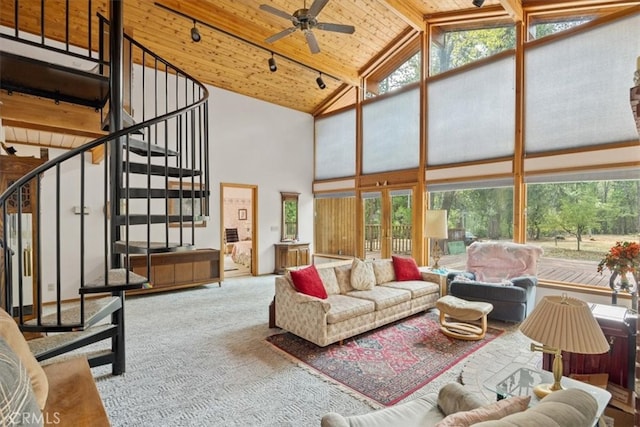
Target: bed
[(241, 252)]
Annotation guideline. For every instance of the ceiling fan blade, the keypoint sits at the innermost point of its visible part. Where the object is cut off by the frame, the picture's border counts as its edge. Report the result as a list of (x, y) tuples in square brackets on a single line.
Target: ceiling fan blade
[(277, 12), (280, 35), (311, 40), (317, 6), (338, 28)]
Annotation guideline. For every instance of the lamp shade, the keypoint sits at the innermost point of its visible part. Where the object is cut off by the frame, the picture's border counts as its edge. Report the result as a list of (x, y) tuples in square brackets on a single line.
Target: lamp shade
[(565, 323), (435, 224)]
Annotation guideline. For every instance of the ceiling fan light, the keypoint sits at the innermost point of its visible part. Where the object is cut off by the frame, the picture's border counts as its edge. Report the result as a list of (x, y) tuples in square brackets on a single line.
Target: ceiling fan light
[(478, 3), (195, 34), (320, 82), (272, 64)]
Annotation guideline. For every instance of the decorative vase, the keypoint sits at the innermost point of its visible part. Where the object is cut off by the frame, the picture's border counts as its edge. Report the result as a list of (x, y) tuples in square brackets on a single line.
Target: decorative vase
[(620, 282)]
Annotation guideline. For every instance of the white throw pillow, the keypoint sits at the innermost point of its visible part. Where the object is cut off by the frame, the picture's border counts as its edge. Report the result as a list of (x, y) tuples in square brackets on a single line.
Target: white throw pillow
[(363, 277)]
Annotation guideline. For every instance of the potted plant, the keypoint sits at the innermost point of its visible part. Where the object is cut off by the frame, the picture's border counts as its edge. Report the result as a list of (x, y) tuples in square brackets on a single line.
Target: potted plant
[(623, 258)]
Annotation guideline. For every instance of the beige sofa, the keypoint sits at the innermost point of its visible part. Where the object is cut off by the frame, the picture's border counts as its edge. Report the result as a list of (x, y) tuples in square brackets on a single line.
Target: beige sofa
[(455, 406), (348, 312)]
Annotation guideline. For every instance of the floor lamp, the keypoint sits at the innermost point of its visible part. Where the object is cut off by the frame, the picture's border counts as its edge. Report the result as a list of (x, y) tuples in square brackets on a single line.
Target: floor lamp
[(435, 226), (562, 323)]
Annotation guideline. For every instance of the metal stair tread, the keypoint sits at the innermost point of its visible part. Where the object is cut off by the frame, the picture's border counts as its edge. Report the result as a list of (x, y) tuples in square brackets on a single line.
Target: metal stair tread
[(39, 346), (159, 170), (161, 193), (138, 219), (94, 311), (142, 148), (118, 279), (140, 247)]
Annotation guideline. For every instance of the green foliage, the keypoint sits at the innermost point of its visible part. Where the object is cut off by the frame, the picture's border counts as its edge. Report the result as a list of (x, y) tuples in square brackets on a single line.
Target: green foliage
[(407, 73), (458, 48)]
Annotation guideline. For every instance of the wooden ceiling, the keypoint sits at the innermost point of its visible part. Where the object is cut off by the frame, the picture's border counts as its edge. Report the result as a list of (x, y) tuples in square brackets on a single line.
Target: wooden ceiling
[(234, 55)]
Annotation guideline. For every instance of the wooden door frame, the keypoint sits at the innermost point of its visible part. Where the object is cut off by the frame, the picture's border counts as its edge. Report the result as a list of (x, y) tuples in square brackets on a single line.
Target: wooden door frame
[(254, 225)]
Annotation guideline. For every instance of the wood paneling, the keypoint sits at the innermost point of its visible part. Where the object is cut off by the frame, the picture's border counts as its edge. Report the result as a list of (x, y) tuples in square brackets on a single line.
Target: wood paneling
[(226, 62), (336, 226)]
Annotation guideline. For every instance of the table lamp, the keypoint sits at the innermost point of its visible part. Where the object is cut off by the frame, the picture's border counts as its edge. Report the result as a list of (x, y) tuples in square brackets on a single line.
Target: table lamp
[(435, 225), (562, 323)]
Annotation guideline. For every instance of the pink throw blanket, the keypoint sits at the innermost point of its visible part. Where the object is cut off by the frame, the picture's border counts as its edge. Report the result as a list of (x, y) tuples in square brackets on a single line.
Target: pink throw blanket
[(497, 261)]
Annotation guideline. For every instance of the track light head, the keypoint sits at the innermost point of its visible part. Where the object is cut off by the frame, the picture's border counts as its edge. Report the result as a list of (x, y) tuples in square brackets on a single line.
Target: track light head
[(272, 64), (478, 3), (320, 82), (195, 34)]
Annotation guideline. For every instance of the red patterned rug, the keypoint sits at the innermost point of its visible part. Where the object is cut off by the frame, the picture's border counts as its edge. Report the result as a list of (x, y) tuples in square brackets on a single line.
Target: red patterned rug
[(390, 363)]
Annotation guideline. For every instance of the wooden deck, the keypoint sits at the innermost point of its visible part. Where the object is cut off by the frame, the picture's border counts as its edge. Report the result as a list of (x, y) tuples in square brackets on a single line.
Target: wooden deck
[(555, 269)]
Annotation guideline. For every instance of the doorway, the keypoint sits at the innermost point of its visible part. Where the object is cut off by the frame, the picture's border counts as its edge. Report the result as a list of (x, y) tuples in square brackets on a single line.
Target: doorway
[(238, 234), (388, 222)]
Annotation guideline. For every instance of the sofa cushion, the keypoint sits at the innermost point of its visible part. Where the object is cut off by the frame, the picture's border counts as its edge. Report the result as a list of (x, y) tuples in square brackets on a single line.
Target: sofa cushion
[(362, 275), (493, 411), (383, 296), (344, 308), (453, 398), (329, 280), (10, 332), (18, 404), (307, 281), (405, 269), (383, 270), (343, 274), (418, 288), (564, 408)]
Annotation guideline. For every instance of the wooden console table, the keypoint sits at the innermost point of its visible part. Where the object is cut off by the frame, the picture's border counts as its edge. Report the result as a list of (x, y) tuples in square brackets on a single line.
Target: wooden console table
[(291, 254), (176, 270)]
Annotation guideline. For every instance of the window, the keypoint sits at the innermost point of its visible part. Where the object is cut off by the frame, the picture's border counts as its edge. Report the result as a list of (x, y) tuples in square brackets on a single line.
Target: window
[(407, 73), (543, 27), (473, 214), (577, 222), (452, 48)]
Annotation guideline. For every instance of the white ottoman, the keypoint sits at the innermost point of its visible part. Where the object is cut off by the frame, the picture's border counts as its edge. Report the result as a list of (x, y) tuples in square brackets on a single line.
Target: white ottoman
[(463, 311)]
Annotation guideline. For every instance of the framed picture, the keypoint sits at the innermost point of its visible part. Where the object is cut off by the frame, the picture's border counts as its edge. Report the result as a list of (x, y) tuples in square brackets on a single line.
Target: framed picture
[(242, 214), (190, 207)]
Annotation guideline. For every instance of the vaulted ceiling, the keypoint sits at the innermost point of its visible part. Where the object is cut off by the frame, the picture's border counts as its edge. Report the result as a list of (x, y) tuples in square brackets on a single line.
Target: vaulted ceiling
[(233, 53)]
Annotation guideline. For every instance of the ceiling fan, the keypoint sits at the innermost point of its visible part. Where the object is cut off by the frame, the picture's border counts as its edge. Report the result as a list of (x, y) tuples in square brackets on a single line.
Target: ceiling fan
[(305, 20)]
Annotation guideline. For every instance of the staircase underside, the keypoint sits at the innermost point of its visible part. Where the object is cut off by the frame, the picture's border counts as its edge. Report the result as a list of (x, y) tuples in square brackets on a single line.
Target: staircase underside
[(40, 78)]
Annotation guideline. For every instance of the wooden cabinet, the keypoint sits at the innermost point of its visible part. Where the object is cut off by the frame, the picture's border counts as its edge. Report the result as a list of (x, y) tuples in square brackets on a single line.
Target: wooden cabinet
[(174, 270), (291, 255)]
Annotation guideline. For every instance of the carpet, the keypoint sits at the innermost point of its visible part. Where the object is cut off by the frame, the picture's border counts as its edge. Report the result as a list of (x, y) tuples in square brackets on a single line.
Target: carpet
[(388, 364)]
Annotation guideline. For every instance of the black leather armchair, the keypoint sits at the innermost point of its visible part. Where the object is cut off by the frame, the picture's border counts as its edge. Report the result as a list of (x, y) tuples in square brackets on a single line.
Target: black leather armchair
[(500, 273)]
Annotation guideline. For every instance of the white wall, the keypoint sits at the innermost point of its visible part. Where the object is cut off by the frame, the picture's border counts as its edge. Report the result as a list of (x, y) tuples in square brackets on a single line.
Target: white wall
[(257, 143)]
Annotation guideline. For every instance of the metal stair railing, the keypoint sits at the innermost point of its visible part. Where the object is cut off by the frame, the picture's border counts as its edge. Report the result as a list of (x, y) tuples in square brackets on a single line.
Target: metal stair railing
[(78, 252)]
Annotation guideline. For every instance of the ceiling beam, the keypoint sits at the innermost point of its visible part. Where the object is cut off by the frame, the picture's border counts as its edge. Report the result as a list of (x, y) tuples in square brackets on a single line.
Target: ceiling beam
[(26, 111), (514, 9), (403, 10)]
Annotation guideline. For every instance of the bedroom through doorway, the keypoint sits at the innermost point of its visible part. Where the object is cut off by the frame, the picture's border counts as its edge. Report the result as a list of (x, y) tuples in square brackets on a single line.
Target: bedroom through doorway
[(238, 234)]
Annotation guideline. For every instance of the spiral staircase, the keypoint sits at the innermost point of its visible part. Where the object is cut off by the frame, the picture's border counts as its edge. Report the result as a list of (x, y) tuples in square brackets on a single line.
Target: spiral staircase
[(152, 183)]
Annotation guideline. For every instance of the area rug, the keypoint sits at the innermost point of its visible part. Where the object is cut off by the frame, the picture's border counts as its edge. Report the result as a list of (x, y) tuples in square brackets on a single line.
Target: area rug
[(388, 364)]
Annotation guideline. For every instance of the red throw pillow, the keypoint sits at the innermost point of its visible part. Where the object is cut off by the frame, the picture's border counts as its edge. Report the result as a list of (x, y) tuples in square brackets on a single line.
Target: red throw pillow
[(307, 281), (405, 269)]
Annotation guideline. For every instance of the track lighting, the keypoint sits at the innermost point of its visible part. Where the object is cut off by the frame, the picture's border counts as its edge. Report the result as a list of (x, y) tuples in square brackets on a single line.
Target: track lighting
[(478, 3), (320, 82), (272, 63), (195, 34)]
